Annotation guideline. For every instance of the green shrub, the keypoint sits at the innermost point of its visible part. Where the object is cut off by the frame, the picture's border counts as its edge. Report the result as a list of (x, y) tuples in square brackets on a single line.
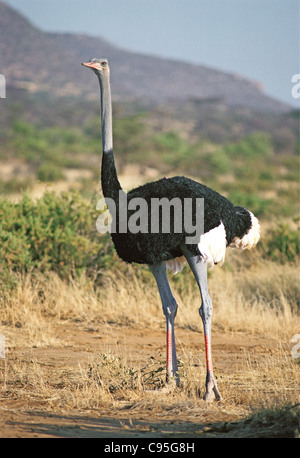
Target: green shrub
[(219, 162), (48, 171), (15, 185), (174, 150), (254, 146), (37, 144), (253, 202), (282, 245), (56, 233)]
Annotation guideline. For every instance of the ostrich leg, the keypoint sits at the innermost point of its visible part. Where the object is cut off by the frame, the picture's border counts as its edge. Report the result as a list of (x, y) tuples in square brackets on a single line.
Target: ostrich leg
[(199, 269), (169, 305)]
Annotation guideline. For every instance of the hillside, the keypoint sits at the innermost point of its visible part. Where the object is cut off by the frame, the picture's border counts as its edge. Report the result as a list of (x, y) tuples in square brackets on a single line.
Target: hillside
[(49, 122), (40, 61)]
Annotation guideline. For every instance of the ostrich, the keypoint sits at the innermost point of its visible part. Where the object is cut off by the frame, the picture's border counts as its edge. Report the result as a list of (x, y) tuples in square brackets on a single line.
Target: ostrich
[(223, 225)]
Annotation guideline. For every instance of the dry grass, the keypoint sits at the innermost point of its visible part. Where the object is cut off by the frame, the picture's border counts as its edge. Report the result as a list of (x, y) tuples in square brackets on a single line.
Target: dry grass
[(255, 317), (261, 301)]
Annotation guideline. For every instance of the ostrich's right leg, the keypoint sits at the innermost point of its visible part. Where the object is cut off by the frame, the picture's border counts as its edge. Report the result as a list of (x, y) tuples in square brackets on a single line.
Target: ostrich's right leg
[(199, 269), (169, 308)]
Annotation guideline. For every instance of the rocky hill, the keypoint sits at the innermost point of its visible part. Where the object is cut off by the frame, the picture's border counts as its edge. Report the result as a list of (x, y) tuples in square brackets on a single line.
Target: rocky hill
[(40, 61)]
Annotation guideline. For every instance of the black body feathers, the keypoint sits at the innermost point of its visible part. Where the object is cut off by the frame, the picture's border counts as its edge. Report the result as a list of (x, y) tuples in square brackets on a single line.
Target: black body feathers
[(152, 248)]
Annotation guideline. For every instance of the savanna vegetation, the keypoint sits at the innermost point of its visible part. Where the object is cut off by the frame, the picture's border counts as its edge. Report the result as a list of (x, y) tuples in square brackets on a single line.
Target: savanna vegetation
[(58, 272)]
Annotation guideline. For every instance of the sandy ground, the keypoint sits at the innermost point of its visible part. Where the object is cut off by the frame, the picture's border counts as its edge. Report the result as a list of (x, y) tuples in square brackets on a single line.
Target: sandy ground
[(23, 418)]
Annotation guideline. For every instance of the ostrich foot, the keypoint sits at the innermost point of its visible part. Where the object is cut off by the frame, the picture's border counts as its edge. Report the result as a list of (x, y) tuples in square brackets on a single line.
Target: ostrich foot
[(172, 380), (212, 391), (172, 383), (169, 387)]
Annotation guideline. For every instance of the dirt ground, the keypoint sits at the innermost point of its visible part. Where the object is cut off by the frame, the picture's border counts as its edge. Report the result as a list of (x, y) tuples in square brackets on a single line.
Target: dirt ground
[(30, 417)]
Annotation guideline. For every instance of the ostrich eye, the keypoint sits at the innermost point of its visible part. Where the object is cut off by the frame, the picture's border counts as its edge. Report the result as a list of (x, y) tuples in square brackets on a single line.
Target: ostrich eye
[(103, 64)]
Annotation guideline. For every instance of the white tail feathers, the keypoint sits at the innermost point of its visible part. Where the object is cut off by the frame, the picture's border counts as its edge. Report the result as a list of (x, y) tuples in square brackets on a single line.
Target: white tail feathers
[(212, 245), (250, 239)]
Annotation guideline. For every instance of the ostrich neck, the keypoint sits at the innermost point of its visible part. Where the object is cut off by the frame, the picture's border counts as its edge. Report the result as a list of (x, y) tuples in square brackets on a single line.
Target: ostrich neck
[(109, 177), (106, 115)]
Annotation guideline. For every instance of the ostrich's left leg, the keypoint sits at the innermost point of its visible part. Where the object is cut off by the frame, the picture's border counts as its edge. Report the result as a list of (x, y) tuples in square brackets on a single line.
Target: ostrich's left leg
[(199, 269), (170, 309)]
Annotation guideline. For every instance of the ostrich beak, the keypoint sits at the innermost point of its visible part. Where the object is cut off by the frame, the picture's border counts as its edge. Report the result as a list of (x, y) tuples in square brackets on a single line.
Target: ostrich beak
[(94, 65)]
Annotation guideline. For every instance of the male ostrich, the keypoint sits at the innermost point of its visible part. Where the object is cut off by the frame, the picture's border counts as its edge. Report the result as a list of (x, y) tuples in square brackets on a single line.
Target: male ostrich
[(224, 225)]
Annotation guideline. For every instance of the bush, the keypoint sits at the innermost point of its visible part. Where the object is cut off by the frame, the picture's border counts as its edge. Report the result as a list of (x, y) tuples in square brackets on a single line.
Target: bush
[(282, 245), (174, 149), (48, 171), (219, 162), (56, 233), (253, 202), (254, 146)]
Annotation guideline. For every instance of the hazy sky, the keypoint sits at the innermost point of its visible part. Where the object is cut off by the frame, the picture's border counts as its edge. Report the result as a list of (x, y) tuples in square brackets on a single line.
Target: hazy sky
[(258, 39)]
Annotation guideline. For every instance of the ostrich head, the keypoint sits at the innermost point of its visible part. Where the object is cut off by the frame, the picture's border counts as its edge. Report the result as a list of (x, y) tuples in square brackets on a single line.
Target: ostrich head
[(100, 66)]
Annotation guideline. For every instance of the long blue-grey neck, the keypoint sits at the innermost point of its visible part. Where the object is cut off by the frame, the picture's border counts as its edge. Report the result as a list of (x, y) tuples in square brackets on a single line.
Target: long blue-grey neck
[(109, 178), (106, 113)]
